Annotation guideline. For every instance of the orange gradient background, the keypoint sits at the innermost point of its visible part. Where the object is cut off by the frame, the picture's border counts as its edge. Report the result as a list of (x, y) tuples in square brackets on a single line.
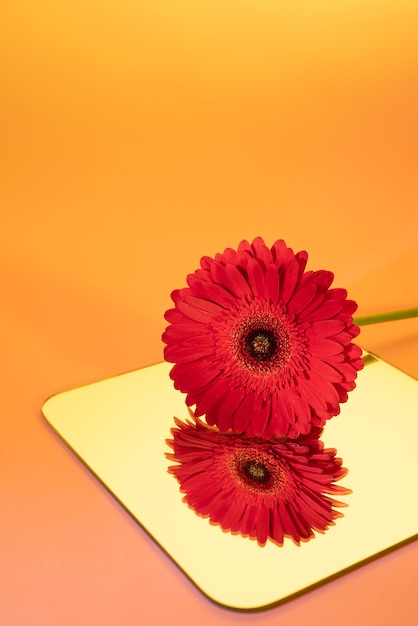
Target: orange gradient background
[(137, 137)]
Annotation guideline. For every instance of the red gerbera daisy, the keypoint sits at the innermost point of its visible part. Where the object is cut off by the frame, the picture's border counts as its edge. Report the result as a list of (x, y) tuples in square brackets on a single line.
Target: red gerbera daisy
[(260, 346), (261, 489)]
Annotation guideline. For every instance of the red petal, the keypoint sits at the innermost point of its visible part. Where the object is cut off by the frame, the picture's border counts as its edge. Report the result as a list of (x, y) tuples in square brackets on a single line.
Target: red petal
[(281, 415), (186, 377), (178, 332), (219, 390), (214, 293), (289, 280), (301, 409), (218, 271), (261, 251), (199, 341), (244, 246), (302, 258), (322, 279), (276, 527), (301, 298), (237, 283), (206, 262), (307, 391), (230, 256), (325, 328), (247, 522), (194, 314), (203, 275), (281, 253), (325, 311), (259, 419), (204, 305), (186, 354), (288, 524), (337, 293), (256, 278), (324, 388), (348, 371), (173, 316), (272, 283), (350, 307), (242, 415), (223, 413), (262, 524), (324, 346), (323, 369)]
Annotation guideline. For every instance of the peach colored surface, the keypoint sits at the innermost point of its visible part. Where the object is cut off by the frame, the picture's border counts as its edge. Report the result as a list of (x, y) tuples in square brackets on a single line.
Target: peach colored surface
[(138, 136)]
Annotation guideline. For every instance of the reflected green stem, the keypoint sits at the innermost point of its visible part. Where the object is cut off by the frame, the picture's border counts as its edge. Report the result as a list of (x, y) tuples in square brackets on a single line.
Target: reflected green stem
[(402, 314)]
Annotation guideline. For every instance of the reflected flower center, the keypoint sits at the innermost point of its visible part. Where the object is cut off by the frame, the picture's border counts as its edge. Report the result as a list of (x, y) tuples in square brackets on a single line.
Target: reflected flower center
[(256, 471)]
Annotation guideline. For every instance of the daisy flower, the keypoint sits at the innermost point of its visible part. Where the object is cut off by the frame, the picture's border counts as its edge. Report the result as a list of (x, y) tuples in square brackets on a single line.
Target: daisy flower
[(261, 489), (260, 345)]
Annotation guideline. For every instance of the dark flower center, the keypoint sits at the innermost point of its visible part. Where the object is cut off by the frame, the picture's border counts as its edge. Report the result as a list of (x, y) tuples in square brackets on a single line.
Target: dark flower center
[(255, 471), (260, 344)]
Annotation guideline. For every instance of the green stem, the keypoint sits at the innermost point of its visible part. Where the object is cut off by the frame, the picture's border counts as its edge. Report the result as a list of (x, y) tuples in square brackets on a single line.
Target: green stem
[(402, 314)]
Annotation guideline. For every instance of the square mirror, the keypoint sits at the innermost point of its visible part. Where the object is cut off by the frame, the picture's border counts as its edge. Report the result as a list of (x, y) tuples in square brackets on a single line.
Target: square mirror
[(118, 428)]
